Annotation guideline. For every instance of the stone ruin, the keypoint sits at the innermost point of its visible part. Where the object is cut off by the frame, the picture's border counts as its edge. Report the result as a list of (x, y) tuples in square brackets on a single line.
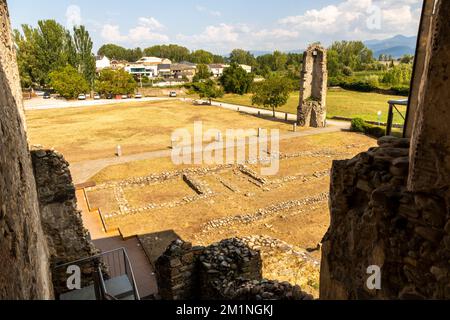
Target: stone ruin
[(390, 206), (312, 110), (228, 270)]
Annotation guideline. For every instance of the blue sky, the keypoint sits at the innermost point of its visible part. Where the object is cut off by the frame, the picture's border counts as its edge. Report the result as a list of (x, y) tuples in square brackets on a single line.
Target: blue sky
[(220, 26)]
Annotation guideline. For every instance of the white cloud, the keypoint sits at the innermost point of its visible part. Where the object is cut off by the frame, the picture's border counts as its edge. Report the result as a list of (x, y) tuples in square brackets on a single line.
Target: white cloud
[(276, 34), (221, 34), (112, 33), (349, 19), (145, 31), (150, 23), (203, 9), (73, 16)]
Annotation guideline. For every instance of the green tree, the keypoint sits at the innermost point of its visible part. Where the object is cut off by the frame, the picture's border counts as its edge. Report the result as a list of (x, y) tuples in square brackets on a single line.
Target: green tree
[(68, 82), (218, 59), (207, 89), (236, 80), (240, 56), (26, 60), (203, 73), (50, 52), (173, 52), (115, 82), (202, 56), (116, 52), (398, 75), (407, 58), (50, 47), (353, 54), (272, 93), (85, 60)]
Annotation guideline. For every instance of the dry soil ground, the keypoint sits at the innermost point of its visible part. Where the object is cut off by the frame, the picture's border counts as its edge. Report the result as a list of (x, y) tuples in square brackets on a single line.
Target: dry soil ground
[(88, 133), (290, 207)]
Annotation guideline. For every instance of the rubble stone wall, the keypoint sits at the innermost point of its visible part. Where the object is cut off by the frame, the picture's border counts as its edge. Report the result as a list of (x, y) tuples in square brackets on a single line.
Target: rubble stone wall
[(228, 270), (376, 221), (67, 239)]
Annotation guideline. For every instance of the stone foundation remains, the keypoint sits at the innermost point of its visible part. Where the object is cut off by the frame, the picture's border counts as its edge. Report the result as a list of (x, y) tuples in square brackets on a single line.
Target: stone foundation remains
[(228, 270)]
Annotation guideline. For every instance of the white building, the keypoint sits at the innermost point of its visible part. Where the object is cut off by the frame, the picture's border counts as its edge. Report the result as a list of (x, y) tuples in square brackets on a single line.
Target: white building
[(218, 68), (153, 61), (150, 71), (246, 68), (102, 63)]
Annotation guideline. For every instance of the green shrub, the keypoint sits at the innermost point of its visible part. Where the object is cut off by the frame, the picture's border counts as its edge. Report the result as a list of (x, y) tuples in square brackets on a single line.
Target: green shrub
[(358, 86), (375, 131), (373, 80), (401, 90), (347, 71), (358, 125)]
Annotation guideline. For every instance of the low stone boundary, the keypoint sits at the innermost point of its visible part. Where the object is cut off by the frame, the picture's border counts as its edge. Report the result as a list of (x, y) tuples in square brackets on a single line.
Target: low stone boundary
[(263, 213), (199, 187)]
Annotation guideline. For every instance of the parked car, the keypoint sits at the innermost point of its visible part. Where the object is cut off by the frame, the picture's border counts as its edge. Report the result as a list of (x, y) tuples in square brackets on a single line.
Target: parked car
[(109, 96), (172, 94), (81, 96), (97, 96), (138, 96), (46, 95), (124, 96)]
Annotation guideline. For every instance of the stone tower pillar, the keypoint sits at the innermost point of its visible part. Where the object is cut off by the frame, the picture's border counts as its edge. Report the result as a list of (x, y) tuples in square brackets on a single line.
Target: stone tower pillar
[(312, 110)]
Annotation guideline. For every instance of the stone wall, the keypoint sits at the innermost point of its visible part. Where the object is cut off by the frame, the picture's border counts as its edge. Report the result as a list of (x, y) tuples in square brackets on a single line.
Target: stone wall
[(312, 109), (228, 270), (23, 249), (67, 239), (376, 221), (430, 152)]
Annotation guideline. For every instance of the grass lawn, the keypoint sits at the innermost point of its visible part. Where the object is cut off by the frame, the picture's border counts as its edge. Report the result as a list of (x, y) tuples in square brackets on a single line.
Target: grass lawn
[(343, 103), (94, 132)]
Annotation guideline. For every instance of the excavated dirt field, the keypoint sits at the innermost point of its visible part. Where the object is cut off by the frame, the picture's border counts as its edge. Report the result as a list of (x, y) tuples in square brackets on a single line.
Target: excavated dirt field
[(285, 216)]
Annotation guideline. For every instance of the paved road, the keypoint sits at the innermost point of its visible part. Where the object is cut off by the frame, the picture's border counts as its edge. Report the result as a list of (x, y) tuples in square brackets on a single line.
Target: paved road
[(83, 171), (41, 104)]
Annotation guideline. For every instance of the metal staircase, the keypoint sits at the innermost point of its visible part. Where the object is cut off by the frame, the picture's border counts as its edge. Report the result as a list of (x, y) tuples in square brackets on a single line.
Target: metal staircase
[(107, 276)]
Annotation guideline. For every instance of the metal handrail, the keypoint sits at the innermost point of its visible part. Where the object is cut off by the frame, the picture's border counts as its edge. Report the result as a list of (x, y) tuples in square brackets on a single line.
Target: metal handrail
[(393, 105), (100, 255), (133, 279), (113, 260)]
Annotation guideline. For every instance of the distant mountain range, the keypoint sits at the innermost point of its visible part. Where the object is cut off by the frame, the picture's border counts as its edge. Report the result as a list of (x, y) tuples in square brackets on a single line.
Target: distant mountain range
[(396, 46), (258, 53)]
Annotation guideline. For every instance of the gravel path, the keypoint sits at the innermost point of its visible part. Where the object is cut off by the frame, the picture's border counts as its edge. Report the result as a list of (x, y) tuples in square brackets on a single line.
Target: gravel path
[(41, 104)]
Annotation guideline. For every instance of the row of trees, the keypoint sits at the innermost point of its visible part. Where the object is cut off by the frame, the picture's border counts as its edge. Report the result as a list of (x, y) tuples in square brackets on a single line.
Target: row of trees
[(173, 52), (50, 47), (69, 83)]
